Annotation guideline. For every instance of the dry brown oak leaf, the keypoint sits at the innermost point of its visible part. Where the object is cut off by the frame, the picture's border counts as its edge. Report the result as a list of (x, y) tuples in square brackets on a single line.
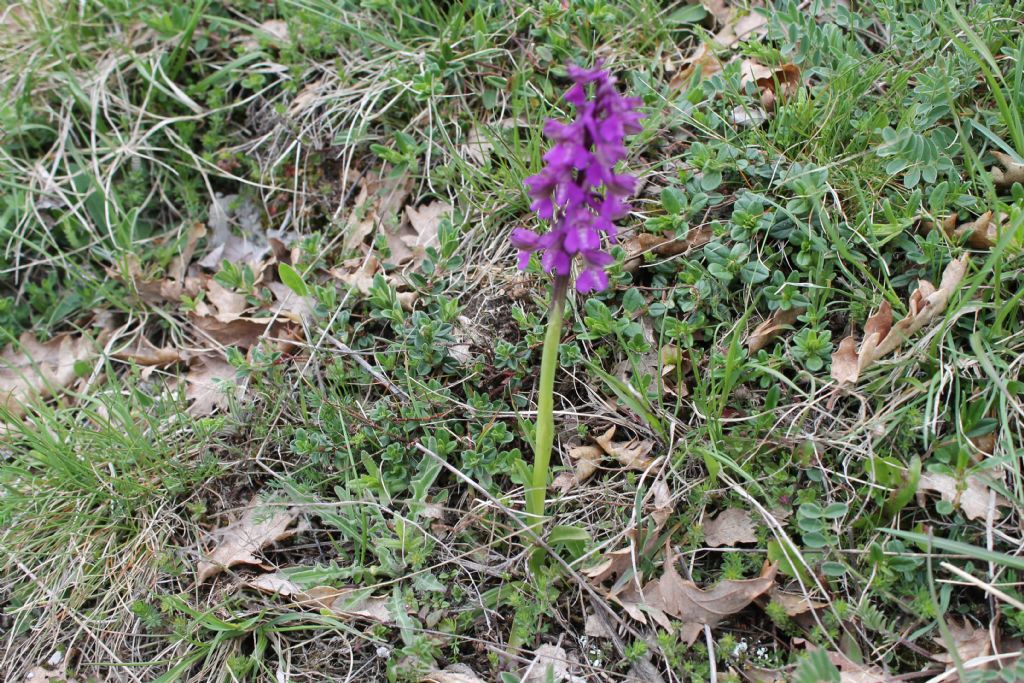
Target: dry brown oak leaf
[(675, 597), (632, 455), (772, 327), (262, 522), (771, 81), (981, 233), (972, 498), (209, 385), (31, 368), (344, 602), (882, 337), (662, 245), (730, 527), (1011, 172)]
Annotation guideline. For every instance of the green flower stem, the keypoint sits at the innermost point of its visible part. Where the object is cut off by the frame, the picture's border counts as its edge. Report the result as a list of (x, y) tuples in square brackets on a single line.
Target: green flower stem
[(545, 434)]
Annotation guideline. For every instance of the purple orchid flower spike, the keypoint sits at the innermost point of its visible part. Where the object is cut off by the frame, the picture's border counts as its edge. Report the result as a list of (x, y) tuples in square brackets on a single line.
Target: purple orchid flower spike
[(578, 189)]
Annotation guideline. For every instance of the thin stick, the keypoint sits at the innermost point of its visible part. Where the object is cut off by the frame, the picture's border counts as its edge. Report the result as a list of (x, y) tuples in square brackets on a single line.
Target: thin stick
[(377, 374), (987, 587)]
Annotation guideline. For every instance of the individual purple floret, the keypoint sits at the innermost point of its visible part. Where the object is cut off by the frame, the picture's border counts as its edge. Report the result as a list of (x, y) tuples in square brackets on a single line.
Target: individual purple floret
[(578, 189)]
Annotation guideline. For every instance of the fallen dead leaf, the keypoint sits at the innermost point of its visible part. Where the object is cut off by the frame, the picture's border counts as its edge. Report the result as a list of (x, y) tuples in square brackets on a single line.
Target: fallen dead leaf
[(180, 263), (654, 364), (378, 204), (747, 27), (587, 460), (672, 596), (852, 672), (746, 116), (289, 304), (703, 59), (596, 627), (31, 368), (41, 674), (275, 28), (308, 96), (454, 673), (882, 337), (550, 665), (230, 305), (845, 362), (981, 233), (771, 328), (145, 353), (158, 291), (615, 563), (849, 671), (970, 642), (663, 504), (719, 9), (409, 243), (631, 454), (772, 82), (644, 242), (347, 602), (794, 604), (973, 499), (243, 332), (358, 273), (672, 383), (248, 246), (730, 527), (756, 674), (209, 385), (262, 522), (1011, 172)]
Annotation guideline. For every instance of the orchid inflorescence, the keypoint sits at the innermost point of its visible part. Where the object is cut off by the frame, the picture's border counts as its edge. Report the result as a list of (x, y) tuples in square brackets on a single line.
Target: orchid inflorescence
[(578, 189), (582, 196)]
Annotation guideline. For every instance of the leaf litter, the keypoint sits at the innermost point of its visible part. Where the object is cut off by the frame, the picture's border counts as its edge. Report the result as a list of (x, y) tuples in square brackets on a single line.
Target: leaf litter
[(662, 245), (972, 495), (346, 602), (772, 82), (882, 337), (673, 597), (236, 233), (1011, 172), (210, 385), (453, 673), (773, 326), (982, 233), (632, 455), (262, 522), (359, 274), (408, 246), (33, 369), (379, 203), (550, 664), (730, 527), (970, 642)]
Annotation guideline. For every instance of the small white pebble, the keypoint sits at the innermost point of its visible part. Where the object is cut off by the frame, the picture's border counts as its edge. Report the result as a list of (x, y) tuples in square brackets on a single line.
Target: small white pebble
[(55, 658), (383, 652)]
